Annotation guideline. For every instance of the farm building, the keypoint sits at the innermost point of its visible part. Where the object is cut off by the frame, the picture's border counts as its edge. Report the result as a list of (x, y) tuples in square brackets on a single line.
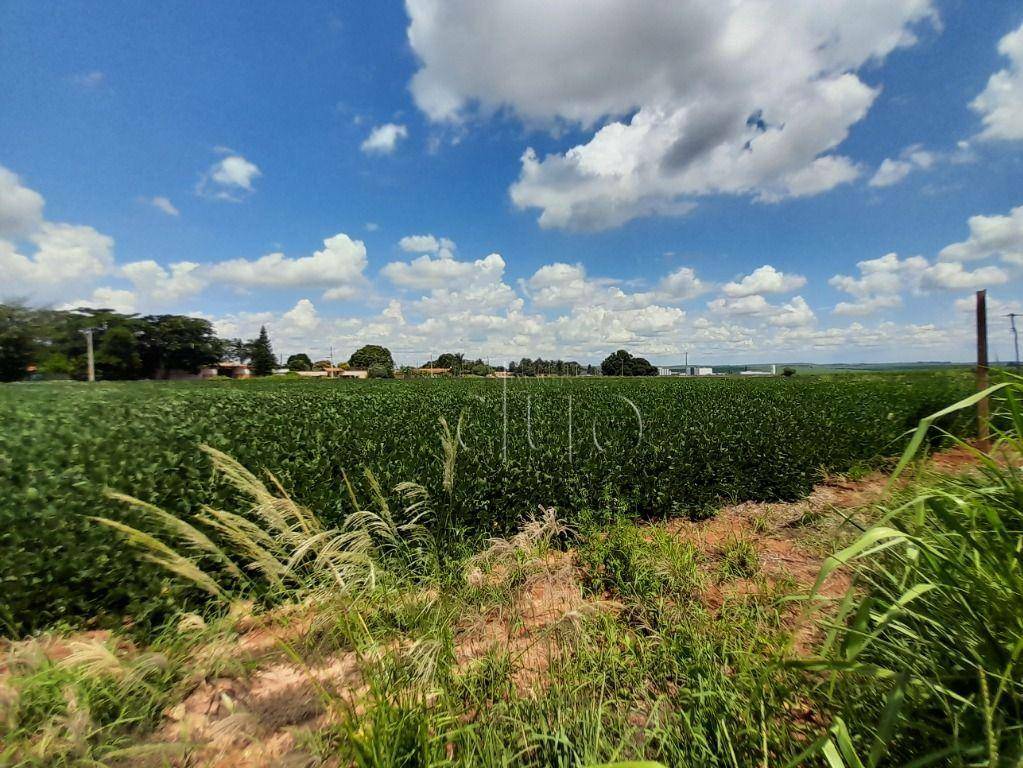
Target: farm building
[(685, 370), (345, 373), (226, 370)]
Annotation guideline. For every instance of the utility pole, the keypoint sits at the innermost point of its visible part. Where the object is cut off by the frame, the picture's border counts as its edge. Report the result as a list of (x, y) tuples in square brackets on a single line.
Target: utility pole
[(90, 359), (1015, 336), (983, 408)]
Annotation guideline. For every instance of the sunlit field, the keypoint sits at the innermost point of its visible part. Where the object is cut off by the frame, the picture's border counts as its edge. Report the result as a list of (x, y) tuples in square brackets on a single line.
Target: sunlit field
[(649, 448), (469, 572)]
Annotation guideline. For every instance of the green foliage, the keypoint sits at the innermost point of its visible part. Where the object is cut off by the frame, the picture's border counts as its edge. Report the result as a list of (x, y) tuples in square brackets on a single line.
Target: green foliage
[(924, 655), (299, 362), (365, 358), (540, 367), (703, 442), (739, 559), (86, 707), (261, 354), (621, 363), (15, 343), (177, 343), (672, 684), (458, 365), (126, 346), (627, 561), (453, 360), (117, 356)]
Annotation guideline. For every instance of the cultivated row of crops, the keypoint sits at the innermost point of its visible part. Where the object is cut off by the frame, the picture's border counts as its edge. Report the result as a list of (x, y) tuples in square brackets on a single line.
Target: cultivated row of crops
[(654, 447)]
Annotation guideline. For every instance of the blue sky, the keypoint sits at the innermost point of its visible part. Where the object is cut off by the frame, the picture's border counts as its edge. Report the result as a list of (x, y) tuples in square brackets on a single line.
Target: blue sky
[(701, 178)]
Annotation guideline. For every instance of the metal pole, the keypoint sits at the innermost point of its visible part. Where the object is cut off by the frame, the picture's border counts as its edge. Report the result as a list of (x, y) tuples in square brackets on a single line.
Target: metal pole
[(1015, 336), (983, 408), (91, 362)]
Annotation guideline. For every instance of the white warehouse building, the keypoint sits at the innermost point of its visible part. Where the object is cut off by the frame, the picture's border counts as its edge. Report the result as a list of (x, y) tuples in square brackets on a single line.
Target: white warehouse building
[(685, 370)]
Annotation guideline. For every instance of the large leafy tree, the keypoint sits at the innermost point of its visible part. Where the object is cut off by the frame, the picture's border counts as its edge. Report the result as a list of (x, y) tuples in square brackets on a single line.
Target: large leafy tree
[(117, 354), (621, 363), (300, 362), (263, 361), (16, 343), (372, 357), (453, 360), (235, 349), (62, 345), (177, 343)]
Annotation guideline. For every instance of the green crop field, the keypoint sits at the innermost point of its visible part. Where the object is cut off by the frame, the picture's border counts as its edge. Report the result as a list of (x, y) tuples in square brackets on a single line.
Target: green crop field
[(475, 572), (649, 447)]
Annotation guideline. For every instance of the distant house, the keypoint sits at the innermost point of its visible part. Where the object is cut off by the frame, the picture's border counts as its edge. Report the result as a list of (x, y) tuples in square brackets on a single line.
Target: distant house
[(502, 375), (345, 373), (317, 373), (226, 370), (431, 371)]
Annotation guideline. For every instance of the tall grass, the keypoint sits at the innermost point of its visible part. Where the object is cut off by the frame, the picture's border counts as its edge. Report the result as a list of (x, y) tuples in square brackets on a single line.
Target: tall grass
[(923, 658), (277, 548)]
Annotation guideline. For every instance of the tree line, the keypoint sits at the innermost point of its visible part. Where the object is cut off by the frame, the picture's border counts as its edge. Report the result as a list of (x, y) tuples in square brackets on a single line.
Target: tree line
[(51, 343), (541, 367)]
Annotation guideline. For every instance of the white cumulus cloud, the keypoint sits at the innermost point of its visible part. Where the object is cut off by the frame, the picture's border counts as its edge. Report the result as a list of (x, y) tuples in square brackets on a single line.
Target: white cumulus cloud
[(164, 204), (687, 98), (765, 279), (953, 276), (116, 299), (1000, 104), (427, 244), (383, 139), (880, 284), (21, 208), (64, 257), (891, 172), (338, 268), (1000, 236), (429, 272), (164, 285), (231, 178)]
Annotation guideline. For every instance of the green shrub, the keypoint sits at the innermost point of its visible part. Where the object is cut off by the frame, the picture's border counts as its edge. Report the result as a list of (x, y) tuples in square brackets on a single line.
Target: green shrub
[(631, 562), (739, 559)]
